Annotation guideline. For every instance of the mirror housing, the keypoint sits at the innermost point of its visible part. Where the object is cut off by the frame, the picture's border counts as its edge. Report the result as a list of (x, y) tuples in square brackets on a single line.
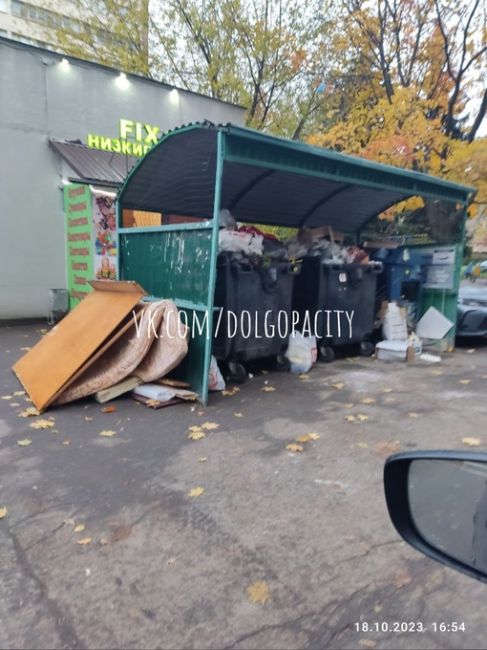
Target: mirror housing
[(412, 495)]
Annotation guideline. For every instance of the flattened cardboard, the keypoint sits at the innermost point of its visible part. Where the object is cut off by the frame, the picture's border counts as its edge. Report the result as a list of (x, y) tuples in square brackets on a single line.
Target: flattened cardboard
[(49, 366)]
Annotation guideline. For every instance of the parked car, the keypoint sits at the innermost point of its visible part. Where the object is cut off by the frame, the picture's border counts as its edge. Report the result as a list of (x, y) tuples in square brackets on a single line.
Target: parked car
[(483, 266), (472, 311), (437, 501)]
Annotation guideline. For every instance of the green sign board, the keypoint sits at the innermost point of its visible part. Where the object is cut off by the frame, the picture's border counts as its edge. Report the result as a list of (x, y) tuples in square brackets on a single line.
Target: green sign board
[(91, 238), (78, 211)]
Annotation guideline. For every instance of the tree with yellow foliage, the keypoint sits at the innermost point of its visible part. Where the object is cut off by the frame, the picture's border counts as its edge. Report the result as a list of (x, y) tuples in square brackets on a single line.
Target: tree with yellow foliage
[(420, 72)]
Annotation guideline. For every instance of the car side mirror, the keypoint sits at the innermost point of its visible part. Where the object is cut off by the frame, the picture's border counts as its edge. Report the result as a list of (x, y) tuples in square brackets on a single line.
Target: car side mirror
[(437, 501)]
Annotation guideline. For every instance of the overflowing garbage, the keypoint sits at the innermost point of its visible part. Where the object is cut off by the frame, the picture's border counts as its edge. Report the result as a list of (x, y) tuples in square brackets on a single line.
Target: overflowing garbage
[(253, 246)]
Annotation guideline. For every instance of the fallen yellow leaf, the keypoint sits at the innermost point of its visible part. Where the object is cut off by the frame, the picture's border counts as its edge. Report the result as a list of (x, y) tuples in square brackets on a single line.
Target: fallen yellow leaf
[(362, 445), (303, 376), (17, 393), (350, 418), (258, 592), (368, 400), (465, 381), (229, 392), (294, 447), (3, 512), (196, 492), (42, 424), (314, 436), (196, 435), (24, 443), (238, 415), (437, 373), (387, 390), (6, 396), (471, 442), (108, 433), (339, 385), (68, 522), (362, 417), (268, 389), (203, 459), (210, 426), (84, 541), (412, 414), (79, 528), (195, 427), (303, 438)]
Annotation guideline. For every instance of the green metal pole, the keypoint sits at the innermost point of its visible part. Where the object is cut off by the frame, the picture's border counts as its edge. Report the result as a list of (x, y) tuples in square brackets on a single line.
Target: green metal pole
[(213, 261), (460, 250)]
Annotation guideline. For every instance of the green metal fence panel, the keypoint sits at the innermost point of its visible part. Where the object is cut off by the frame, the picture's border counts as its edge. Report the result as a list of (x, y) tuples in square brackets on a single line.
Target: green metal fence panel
[(169, 264), (175, 264), (445, 300), (178, 262)]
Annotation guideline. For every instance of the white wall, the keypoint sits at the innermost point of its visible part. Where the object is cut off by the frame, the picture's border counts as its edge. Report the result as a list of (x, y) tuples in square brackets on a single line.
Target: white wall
[(42, 99)]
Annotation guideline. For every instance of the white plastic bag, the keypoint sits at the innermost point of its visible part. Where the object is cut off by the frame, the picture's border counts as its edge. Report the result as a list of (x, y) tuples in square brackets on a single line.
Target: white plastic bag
[(301, 352), (395, 323), (234, 241), (215, 377)]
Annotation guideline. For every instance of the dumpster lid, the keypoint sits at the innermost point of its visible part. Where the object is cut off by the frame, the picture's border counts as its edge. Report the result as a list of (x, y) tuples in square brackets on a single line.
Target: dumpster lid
[(272, 180)]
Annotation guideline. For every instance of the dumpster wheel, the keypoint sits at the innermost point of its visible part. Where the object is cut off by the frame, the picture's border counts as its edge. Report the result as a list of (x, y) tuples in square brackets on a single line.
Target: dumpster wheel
[(236, 372), (326, 354), (282, 363), (367, 349)]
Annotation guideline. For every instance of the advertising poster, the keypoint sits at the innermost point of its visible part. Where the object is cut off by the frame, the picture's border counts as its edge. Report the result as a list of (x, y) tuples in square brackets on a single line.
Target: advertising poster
[(104, 236)]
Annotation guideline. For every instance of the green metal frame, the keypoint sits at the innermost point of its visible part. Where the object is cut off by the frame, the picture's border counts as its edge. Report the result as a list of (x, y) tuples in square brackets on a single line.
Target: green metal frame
[(248, 147)]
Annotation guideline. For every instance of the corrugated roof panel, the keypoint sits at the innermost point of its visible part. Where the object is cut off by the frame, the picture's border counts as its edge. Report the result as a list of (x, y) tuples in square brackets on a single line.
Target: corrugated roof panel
[(94, 165), (272, 180)]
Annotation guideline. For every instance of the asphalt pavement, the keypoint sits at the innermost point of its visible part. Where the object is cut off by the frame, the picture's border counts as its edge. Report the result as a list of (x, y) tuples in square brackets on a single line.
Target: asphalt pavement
[(102, 545)]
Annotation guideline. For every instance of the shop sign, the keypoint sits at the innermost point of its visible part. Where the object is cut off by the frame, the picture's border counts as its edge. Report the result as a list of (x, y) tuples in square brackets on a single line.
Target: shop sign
[(135, 139)]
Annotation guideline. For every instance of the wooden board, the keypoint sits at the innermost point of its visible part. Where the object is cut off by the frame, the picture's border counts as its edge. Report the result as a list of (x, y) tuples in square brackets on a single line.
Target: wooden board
[(122, 387), (47, 368)]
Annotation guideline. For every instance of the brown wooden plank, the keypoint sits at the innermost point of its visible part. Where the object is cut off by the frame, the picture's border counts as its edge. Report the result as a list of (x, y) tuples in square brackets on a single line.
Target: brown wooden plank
[(122, 387), (45, 370), (118, 286)]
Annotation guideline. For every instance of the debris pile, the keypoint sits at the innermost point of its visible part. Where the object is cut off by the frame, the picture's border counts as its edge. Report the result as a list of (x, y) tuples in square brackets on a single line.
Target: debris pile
[(109, 344)]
